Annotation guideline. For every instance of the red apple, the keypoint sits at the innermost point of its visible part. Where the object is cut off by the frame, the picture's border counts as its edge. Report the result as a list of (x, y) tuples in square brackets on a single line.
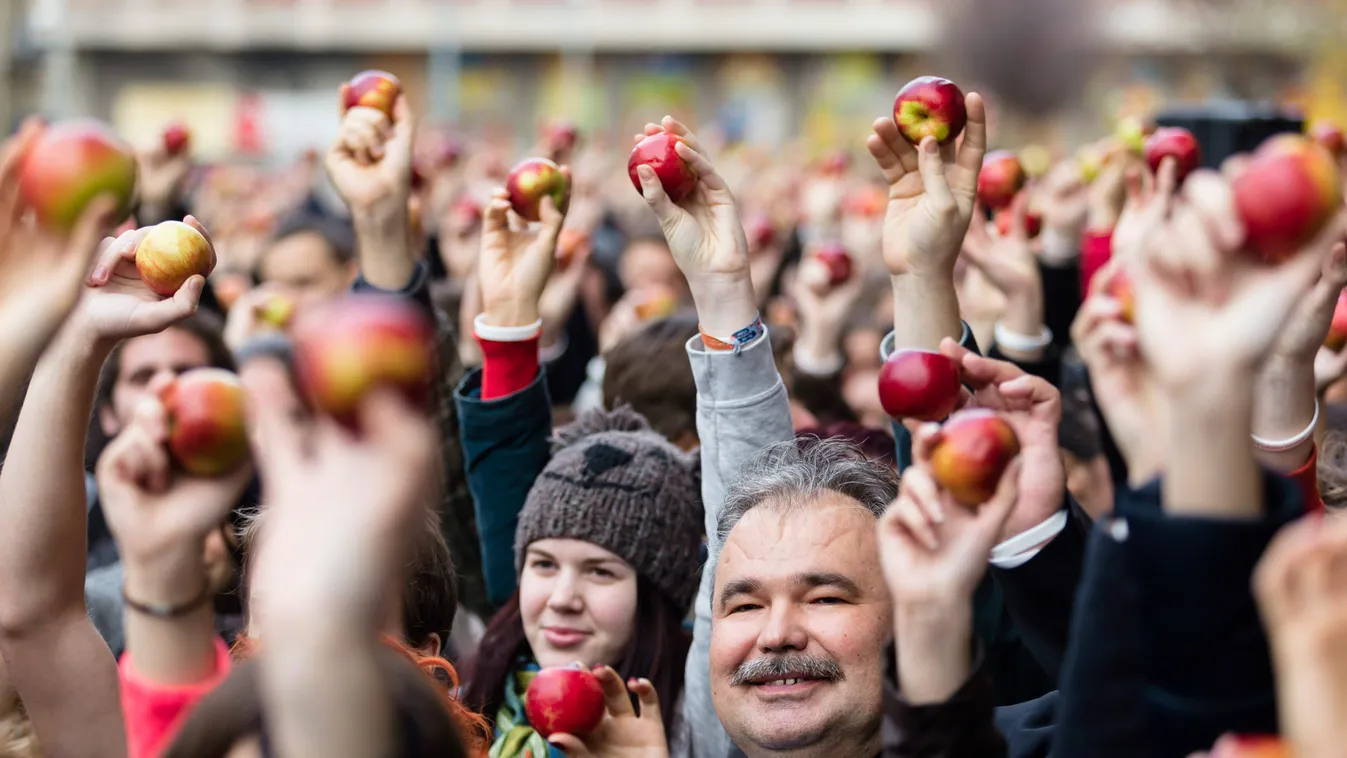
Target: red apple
[(467, 211), (1337, 330), (1327, 134), (1001, 178), (276, 311), (570, 242), (919, 384), (170, 254), (347, 348), (373, 89), (1251, 746), (838, 261), (758, 227), (566, 700), (1285, 195), (1177, 143), (1033, 223), (659, 152), (972, 453), (72, 163), (1119, 286), (206, 434), (531, 181), (562, 135), (177, 138), (929, 106)]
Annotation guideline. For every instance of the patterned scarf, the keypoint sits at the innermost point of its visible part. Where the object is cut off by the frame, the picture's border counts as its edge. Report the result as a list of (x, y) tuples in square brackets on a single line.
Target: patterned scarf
[(515, 738)]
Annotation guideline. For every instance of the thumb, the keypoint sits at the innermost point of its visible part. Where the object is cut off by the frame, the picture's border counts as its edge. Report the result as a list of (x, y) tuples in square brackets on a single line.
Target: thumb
[(932, 168), (997, 510), (1019, 208), (654, 194), (404, 124), (570, 745)]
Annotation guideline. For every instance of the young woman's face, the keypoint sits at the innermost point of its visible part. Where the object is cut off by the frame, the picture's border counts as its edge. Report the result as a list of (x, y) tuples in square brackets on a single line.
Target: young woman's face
[(578, 602)]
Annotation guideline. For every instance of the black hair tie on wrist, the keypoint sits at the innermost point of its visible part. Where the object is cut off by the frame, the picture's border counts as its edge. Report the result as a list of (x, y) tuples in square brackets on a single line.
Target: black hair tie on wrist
[(168, 610)]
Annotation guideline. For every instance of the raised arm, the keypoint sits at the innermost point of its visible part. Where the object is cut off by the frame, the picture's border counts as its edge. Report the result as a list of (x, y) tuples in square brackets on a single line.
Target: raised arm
[(741, 401), (60, 666)]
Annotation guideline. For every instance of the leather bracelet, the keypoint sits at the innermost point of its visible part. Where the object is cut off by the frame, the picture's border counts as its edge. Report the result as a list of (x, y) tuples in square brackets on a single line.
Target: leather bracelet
[(168, 610), (1281, 446)]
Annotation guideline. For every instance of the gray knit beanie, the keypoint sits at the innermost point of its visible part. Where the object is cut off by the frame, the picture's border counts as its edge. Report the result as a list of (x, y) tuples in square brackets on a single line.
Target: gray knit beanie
[(614, 482)]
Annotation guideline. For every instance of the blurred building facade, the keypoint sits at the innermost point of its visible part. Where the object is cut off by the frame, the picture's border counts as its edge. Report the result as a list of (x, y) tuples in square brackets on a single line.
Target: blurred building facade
[(260, 75)]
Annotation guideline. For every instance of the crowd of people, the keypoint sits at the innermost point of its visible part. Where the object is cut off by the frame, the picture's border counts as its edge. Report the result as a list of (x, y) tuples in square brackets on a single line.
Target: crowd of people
[(656, 448)]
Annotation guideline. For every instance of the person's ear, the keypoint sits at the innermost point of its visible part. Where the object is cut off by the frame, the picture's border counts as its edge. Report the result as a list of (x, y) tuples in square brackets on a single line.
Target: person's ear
[(107, 421), (432, 647)]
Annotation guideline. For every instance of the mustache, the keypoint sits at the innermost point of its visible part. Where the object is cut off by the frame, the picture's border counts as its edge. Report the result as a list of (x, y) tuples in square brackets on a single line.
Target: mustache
[(792, 665)]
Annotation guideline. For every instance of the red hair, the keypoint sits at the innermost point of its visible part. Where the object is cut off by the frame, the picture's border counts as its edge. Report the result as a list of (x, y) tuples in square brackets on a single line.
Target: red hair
[(472, 726)]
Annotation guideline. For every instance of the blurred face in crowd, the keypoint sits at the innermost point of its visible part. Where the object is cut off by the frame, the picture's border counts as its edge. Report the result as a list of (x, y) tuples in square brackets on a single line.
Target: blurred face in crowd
[(305, 264), (578, 602), (143, 361), (801, 626), (648, 264)]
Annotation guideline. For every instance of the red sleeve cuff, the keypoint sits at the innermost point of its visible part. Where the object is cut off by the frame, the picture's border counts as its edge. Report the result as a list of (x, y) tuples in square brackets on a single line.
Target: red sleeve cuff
[(1307, 479), (1096, 247), (153, 712), (507, 367)]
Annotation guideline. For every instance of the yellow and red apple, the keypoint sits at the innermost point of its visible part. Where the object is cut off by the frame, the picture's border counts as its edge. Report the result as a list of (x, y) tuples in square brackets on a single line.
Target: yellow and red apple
[(373, 89), (347, 348), (531, 181), (1001, 178), (170, 254), (206, 432), (1286, 194), (930, 106), (70, 165), (974, 448)]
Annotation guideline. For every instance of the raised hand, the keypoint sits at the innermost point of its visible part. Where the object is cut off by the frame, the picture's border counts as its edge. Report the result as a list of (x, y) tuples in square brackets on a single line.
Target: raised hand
[(1033, 407), (1147, 205), (622, 733), (1008, 260), (117, 304), (705, 235), (41, 272), (371, 160), (1305, 331), (1201, 303), (1125, 392), (931, 193), (152, 510), (515, 263), (160, 180)]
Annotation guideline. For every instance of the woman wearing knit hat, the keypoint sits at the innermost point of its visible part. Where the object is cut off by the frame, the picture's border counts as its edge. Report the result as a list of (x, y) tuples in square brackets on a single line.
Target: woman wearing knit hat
[(591, 540)]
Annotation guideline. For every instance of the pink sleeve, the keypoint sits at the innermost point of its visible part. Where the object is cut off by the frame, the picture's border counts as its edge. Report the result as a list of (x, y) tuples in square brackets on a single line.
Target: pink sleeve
[(1096, 247), (153, 712)]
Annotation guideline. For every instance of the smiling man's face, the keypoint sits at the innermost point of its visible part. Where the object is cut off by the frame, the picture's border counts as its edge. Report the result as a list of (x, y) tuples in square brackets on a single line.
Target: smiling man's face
[(801, 630)]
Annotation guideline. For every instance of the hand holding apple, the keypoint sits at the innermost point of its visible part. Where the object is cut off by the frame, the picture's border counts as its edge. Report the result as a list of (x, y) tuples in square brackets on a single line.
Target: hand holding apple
[(931, 193), (970, 454), (41, 271), (659, 151), (1001, 179), (154, 512), (621, 732), (1033, 409), (1006, 258), (1315, 321), (177, 138), (704, 232), (119, 303), (370, 162), (1177, 143), (1200, 303), (529, 182), (261, 309), (514, 266), (1329, 136)]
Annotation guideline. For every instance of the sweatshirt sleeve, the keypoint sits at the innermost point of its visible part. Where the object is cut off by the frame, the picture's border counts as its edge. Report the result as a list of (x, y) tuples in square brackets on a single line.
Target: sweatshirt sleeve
[(154, 712), (742, 407)]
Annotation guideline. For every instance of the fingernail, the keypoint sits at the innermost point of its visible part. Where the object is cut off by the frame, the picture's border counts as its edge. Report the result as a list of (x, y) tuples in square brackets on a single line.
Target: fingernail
[(939, 514), (100, 272), (930, 146)]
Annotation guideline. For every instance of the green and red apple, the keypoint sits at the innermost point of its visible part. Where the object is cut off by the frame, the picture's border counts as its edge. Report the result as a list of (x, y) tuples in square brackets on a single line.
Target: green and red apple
[(206, 432), (170, 254), (71, 164)]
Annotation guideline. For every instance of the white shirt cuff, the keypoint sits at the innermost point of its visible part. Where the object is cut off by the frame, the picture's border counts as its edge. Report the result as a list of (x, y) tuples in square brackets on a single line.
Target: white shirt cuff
[(491, 333), (1022, 548), (806, 362)]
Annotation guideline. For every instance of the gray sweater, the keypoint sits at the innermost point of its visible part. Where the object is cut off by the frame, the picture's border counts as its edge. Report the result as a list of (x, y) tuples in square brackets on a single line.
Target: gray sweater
[(742, 407)]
